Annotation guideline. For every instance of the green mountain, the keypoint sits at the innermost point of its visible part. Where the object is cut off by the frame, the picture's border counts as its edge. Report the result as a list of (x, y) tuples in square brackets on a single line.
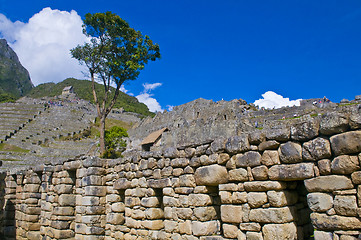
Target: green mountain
[(82, 88), (14, 78)]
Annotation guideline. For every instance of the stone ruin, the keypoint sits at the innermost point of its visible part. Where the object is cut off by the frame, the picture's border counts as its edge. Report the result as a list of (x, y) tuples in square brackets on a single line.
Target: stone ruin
[(210, 176)]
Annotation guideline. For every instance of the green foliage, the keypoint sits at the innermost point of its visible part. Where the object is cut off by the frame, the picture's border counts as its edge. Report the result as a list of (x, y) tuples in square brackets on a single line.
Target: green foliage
[(14, 78), (116, 53), (12, 148), (83, 90), (5, 97), (114, 142)]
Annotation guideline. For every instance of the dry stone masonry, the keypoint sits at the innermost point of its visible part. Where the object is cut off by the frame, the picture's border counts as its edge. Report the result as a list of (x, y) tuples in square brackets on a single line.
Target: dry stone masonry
[(298, 179)]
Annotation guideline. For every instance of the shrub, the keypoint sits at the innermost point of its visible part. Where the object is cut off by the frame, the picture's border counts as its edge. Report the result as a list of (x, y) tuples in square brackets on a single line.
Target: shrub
[(114, 142)]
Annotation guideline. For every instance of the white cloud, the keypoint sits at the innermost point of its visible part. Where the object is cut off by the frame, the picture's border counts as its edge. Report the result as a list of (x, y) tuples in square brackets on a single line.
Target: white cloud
[(151, 102), (170, 108), (43, 44), (273, 100), (150, 86), (147, 98)]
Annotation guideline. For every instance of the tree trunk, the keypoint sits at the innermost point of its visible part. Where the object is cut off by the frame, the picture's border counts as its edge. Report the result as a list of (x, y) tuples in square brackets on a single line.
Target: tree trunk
[(102, 134)]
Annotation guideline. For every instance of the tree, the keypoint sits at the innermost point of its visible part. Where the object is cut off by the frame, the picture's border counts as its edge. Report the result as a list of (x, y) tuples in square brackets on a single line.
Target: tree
[(116, 53)]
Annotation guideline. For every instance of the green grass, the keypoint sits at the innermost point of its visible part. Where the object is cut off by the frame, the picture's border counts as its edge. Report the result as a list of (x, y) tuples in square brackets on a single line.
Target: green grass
[(348, 104), (10, 160), (290, 118), (11, 148)]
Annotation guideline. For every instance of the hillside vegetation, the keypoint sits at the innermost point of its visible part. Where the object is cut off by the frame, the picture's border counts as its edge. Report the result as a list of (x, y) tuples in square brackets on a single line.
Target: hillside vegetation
[(14, 78), (83, 90)]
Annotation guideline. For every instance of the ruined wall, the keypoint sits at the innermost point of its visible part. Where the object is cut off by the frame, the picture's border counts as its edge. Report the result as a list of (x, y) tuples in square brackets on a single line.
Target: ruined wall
[(293, 182)]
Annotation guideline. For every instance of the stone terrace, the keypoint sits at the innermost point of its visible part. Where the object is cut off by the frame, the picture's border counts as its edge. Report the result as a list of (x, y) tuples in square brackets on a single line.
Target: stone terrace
[(37, 130)]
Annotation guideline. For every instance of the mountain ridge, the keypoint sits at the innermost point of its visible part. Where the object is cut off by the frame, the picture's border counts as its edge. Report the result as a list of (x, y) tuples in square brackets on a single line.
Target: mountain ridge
[(14, 78), (83, 90)]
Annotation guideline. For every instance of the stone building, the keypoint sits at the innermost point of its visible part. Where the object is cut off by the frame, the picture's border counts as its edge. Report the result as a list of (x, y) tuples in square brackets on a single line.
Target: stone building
[(67, 90), (297, 179)]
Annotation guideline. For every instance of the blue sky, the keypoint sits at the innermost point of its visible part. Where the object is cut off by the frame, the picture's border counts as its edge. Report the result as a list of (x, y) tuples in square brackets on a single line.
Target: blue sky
[(232, 49)]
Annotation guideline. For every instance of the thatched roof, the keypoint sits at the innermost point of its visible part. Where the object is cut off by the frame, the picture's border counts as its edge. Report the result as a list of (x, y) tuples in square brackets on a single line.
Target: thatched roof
[(151, 138)]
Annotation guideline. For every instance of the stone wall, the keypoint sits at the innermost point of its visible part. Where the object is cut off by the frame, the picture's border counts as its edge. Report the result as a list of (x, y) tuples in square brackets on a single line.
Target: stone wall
[(295, 182)]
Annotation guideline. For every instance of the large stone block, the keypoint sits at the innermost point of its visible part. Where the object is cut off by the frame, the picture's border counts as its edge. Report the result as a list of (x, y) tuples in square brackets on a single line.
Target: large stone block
[(231, 213), (205, 228), (345, 164), (321, 235), (333, 122), (287, 231), (153, 224), (212, 175), (346, 143), (268, 145), (316, 149), (272, 215), (90, 201), (288, 172), (305, 130), (115, 218), (67, 200), (187, 180), (356, 177), (281, 198), (345, 205), (237, 144), (254, 236), (290, 152), (92, 180), (324, 222), (256, 199), (150, 202), (230, 231), (270, 158), (159, 183), (185, 227), (260, 173), (319, 202), (328, 183), (248, 159), (63, 211), (262, 186), (200, 200), (278, 133), (205, 213), (154, 213), (324, 166), (95, 191), (239, 175)]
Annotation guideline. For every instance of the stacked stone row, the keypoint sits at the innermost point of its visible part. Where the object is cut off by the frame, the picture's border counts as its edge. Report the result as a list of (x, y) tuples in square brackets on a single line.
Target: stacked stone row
[(114, 204), (46, 203), (28, 207), (251, 176), (90, 199), (11, 182), (59, 205)]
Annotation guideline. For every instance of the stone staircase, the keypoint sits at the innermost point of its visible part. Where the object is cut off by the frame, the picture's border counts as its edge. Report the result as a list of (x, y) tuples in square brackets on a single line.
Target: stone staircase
[(15, 116)]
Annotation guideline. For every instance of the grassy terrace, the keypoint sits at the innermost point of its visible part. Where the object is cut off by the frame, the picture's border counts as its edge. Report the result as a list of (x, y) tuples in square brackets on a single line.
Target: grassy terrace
[(11, 148)]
